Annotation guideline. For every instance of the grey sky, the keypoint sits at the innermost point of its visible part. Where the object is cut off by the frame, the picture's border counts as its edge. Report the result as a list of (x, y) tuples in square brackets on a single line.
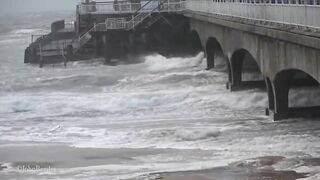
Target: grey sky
[(7, 6)]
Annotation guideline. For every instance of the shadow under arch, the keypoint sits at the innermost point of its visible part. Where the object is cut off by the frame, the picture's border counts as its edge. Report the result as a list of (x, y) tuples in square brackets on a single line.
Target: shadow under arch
[(194, 42), (214, 52), (216, 56), (303, 100), (245, 71)]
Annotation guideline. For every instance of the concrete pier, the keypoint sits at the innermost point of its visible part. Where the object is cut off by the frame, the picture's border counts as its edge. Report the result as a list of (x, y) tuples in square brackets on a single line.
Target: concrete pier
[(283, 57), (278, 49)]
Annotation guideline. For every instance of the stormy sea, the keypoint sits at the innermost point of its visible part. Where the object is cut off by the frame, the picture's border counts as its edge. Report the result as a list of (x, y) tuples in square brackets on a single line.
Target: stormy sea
[(161, 118)]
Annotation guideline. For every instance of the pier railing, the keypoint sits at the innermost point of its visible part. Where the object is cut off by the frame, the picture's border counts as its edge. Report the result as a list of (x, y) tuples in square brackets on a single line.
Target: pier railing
[(153, 6), (300, 13), (120, 7), (125, 7)]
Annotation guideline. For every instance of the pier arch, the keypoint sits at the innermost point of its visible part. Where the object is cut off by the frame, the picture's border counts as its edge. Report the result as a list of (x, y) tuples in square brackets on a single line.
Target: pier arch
[(214, 53), (245, 71), (295, 94)]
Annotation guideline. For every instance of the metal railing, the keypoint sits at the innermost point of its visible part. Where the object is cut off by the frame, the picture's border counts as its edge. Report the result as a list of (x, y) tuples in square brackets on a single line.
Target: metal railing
[(289, 12), (115, 23), (124, 7), (120, 7), (69, 25), (37, 37), (153, 6), (140, 10)]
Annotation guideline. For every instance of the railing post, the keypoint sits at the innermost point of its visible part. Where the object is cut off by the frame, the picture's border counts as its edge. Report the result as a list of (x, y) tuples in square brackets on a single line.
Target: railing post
[(40, 54)]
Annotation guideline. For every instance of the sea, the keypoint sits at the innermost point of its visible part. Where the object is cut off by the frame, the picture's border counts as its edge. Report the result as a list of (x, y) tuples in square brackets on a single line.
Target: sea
[(93, 121)]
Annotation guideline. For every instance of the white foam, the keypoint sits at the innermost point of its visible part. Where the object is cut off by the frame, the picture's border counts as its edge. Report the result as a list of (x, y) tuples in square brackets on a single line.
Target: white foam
[(163, 103), (161, 63), (26, 31), (196, 134)]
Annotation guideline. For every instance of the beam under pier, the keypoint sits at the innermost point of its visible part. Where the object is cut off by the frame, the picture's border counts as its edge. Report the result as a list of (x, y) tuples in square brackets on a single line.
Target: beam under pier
[(246, 85)]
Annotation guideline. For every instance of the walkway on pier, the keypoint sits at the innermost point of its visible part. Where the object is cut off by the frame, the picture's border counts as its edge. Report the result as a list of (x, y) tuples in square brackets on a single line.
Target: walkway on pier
[(301, 13)]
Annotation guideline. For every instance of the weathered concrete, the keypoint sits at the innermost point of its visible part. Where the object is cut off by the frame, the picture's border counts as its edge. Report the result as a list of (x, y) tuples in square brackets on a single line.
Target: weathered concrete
[(274, 51)]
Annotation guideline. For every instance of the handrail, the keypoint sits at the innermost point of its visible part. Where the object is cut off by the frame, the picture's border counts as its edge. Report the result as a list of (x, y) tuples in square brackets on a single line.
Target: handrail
[(137, 11), (142, 13), (294, 16), (162, 6), (85, 34), (121, 7), (78, 42)]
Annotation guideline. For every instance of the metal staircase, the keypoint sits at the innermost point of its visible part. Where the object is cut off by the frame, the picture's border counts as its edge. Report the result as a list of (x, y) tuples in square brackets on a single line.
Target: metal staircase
[(83, 39), (148, 14), (144, 15), (139, 17), (155, 18)]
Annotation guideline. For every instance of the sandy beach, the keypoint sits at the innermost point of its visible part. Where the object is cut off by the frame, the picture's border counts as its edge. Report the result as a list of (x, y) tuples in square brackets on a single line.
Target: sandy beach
[(260, 168), (18, 159), (228, 173), (44, 160)]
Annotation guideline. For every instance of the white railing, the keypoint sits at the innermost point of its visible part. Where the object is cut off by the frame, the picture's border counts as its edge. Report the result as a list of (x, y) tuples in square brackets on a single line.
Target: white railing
[(110, 8), (124, 7), (115, 23), (83, 39), (156, 6), (69, 25), (297, 13)]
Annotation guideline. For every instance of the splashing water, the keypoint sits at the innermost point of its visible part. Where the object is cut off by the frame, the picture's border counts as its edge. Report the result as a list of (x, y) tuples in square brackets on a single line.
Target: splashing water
[(164, 114)]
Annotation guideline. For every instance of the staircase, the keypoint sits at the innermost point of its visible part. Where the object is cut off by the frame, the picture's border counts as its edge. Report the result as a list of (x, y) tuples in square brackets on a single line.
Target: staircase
[(143, 17), (155, 18), (142, 14), (148, 14)]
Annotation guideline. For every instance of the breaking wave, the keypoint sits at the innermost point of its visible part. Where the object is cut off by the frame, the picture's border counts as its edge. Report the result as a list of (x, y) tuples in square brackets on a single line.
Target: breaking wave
[(161, 63), (164, 104)]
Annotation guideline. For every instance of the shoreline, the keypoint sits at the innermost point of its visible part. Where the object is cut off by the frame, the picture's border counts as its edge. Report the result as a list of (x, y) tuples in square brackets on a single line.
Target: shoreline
[(260, 168), (229, 173), (47, 157)]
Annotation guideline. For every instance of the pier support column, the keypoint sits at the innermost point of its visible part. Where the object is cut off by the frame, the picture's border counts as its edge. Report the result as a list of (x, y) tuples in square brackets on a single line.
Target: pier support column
[(106, 49), (210, 58), (132, 43), (236, 72), (270, 92), (229, 70), (281, 97)]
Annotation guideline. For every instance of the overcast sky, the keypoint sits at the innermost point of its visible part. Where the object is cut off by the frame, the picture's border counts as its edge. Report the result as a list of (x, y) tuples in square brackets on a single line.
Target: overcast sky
[(7, 6)]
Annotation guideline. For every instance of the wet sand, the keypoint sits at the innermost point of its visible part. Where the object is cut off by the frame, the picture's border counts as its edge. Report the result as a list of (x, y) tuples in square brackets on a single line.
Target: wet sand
[(63, 156), (45, 161), (46, 156), (228, 173), (254, 169)]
